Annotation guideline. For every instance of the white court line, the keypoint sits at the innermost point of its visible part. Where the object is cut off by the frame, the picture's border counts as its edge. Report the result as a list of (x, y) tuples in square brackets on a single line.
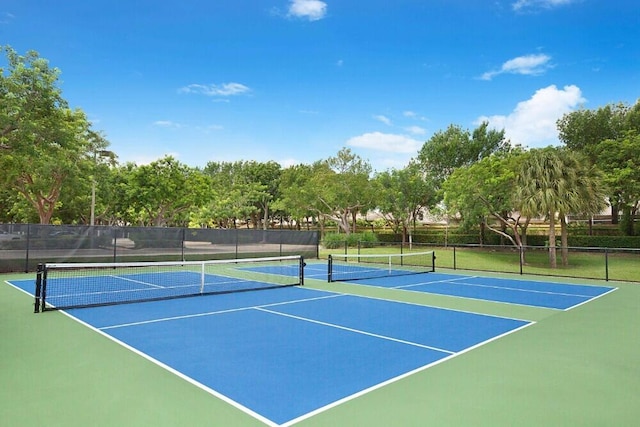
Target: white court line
[(212, 313), (357, 331), (523, 290), (398, 378), (457, 280), (176, 372), (126, 279), (261, 418), (589, 300)]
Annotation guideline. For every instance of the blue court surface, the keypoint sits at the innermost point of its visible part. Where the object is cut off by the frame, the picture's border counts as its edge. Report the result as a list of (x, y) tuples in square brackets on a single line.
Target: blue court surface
[(282, 355), (522, 292)]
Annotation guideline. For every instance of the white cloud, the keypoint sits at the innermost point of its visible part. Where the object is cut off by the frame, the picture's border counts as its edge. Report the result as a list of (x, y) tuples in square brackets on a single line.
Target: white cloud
[(378, 141), (533, 122), (313, 10), (416, 130), (522, 5), (167, 124), (413, 115), (285, 163), (532, 65), (384, 119), (225, 89)]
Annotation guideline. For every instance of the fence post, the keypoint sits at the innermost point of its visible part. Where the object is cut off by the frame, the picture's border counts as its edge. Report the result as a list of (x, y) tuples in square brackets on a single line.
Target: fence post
[(26, 261), (184, 236), (454, 257), (606, 264), (115, 244), (237, 240), (521, 256)]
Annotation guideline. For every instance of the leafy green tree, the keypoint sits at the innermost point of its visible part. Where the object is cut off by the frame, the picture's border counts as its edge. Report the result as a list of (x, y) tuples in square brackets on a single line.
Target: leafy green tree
[(165, 192), (582, 130), (236, 191), (402, 194), (585, 130), (620, 161), (42, 141), (446, 151), (297, 196), (344, 188), (264, 178), (484, 192)]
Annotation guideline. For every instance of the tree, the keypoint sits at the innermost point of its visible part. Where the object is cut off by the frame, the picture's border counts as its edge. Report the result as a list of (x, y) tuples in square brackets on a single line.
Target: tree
[(298, 198), (446, 151), (585, 130), (265, 178), (42, 141), (402, 194), (484, 192), (554, 183), (165, 191), (620, 162), (237, 191), (344, 188), (584, 194), (540, 190)]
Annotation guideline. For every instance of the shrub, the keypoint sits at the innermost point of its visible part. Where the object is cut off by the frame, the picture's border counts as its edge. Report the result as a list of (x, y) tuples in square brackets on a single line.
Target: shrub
[(336, 241)]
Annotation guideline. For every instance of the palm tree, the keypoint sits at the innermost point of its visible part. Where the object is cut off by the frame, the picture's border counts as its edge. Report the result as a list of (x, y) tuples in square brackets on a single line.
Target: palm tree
[(558, 182), (584, 192), (537, 192)]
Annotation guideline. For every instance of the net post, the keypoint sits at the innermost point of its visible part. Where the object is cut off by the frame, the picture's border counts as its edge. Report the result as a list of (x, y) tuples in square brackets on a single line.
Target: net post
[(202, 278), (433, 261), (454, 257), (302, 264), (43, 289), (39, 273), (330, 269)]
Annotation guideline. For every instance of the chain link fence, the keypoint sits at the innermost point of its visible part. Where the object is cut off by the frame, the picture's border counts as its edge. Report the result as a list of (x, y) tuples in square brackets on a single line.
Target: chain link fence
[(24, 246), (619, 264)]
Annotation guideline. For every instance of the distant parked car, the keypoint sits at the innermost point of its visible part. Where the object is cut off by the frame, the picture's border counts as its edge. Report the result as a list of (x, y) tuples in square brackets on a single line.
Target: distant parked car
[(63, 233), (8, 236)]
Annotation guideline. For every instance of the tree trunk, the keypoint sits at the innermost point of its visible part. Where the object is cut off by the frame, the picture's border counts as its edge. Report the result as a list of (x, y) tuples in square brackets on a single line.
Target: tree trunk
[(354, 228), (564, 239), (628, 219), (552, 241)]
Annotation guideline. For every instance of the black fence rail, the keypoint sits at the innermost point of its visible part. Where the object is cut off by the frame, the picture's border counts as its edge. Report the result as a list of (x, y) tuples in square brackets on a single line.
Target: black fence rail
[(618, 264), (24, 246)]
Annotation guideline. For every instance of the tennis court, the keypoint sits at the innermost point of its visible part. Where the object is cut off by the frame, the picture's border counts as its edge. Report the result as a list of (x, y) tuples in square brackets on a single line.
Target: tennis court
[(287, 353), (383, 271)]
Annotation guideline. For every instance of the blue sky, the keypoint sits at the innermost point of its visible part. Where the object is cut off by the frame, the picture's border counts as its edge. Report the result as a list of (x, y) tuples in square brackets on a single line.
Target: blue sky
[(295, 81)]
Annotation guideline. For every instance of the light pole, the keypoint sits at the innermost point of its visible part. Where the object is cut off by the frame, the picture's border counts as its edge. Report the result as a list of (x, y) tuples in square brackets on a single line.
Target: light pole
[(93, 201), (102, 154)]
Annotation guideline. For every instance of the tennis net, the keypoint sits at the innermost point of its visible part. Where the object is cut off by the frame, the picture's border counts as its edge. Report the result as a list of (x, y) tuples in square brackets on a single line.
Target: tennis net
[(366, 266), (74, 285)]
